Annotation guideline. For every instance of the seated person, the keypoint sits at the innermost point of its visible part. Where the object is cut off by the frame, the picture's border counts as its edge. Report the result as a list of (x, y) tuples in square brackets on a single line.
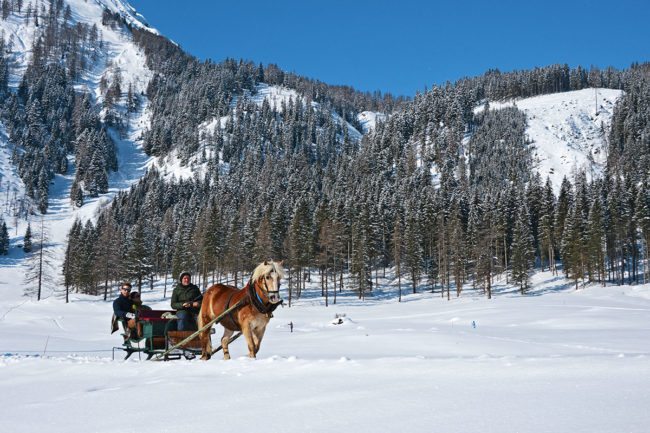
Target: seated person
[(137, 302), (186, 300), (124, 312)]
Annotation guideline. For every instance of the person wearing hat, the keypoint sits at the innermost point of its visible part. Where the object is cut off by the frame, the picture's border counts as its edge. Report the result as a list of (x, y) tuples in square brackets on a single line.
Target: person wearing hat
[(123, 310), (186, 300)]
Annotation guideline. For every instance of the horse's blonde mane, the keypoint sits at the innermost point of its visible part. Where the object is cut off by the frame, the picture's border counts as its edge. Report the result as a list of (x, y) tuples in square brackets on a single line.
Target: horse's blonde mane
[(266, 268)]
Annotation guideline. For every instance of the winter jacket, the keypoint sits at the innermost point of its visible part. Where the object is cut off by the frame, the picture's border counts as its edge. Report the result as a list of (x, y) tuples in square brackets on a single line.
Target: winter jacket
[(121, 306), (189, 293)]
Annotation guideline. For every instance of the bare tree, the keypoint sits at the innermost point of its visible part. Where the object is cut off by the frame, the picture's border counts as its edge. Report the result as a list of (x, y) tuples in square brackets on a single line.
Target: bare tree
[(39, 264)]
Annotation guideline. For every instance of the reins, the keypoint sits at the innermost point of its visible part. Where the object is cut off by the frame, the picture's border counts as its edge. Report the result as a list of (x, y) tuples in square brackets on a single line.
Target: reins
[(161, 356)]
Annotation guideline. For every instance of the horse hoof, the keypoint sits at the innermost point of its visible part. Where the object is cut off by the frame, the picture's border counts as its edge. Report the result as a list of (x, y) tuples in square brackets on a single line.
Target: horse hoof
[(205, 357)]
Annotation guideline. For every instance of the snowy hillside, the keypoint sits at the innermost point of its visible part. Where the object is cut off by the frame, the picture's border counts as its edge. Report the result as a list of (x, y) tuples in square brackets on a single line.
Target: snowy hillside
[(276, 97), (369, 119), (118, 52), (568, 130), (127, 11)]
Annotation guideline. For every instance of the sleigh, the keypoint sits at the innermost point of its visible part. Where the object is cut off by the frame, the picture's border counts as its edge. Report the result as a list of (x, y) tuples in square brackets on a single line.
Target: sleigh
[(160, 337)]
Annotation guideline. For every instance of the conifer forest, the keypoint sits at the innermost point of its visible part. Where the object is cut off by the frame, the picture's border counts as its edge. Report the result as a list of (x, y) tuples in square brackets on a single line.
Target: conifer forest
[(444, 189)]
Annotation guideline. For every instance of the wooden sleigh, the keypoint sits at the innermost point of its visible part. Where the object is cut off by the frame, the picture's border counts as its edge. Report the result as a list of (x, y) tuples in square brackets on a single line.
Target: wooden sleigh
[(159, 334), (161, 339)]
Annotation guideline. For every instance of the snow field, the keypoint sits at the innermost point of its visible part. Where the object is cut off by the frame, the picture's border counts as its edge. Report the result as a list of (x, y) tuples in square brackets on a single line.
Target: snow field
[(554, 360)]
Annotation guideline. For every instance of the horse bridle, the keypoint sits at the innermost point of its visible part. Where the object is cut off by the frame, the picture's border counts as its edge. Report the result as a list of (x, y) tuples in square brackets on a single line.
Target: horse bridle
[(275, 292), (258, 303)]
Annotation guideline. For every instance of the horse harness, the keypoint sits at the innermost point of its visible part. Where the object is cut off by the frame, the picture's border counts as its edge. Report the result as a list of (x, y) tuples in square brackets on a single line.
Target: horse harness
[(254, 299)]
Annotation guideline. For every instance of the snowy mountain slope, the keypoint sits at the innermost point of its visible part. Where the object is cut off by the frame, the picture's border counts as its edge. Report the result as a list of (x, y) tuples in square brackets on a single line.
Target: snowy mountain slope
[(568, 130), (277, 97), (369, 119), (127, 11), (118, 51)]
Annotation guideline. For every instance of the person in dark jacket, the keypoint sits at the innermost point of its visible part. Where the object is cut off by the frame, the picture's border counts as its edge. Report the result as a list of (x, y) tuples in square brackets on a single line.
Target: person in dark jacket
[(186, 300), (124, 311)]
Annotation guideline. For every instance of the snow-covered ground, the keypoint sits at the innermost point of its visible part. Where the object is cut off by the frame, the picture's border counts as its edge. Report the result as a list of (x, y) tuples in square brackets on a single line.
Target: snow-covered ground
[(568, 130), (555, 360)]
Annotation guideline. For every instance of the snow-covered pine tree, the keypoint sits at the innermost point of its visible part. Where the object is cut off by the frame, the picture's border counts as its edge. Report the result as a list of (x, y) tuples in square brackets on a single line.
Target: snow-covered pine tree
[(4, 238), (137, 262), (547, 227), (572, 247), (523, 252), (27, 239), (595, 244)]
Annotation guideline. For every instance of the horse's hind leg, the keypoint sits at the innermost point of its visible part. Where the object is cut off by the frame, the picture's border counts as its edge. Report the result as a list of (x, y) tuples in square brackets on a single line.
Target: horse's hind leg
[(206, 344), (206, 341), (227, 333)]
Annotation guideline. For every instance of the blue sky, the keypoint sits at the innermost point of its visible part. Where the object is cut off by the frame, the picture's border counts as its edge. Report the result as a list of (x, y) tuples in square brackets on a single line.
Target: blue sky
[(401, 46)]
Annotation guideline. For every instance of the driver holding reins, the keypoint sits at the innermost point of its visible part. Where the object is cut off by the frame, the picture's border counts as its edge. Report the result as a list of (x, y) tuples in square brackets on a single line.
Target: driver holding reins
[(186, 300)]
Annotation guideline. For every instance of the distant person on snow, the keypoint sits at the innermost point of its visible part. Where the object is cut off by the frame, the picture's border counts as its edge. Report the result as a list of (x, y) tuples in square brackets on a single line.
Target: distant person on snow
[(123, 309), (186, 300)]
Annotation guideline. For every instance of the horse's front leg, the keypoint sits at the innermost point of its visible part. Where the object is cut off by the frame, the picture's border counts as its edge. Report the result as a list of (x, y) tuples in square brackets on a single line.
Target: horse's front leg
[(258, 334), (227, 333), (249, 335)]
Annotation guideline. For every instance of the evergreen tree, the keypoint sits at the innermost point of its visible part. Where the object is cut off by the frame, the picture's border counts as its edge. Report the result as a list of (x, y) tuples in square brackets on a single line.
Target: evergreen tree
[(360, 266), (547, 230), (642, 218), (564, 202), (595, 243), (27, 240), (4, 238), (398, 252), (300, 239), (572, 245), (137, 262), (523, 252)]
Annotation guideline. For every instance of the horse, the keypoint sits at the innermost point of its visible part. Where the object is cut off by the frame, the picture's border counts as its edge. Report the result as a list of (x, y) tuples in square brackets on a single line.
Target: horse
[(259, 298)]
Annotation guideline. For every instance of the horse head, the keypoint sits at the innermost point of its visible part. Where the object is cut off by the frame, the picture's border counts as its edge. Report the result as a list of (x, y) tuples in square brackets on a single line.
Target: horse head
[(268, 275)]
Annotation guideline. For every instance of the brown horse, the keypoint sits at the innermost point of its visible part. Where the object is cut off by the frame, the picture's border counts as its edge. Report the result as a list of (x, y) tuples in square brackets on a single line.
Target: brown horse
[(258, 300)]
